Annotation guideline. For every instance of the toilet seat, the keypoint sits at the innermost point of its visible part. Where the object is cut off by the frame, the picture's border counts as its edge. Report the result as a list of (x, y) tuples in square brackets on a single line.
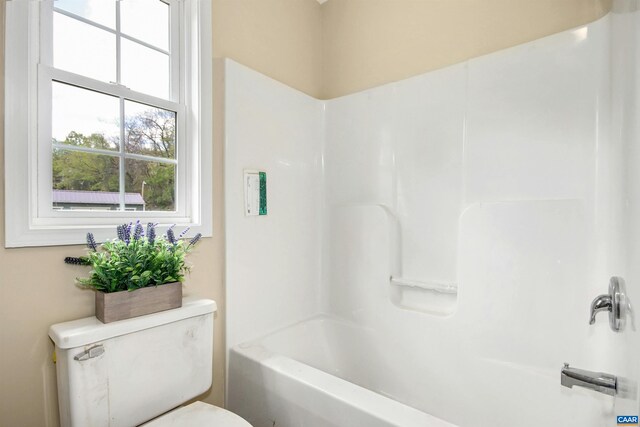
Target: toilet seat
[(199, 414)]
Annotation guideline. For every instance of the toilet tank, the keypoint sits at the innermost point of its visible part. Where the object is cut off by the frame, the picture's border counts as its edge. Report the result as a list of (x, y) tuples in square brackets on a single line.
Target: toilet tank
[(127, 372)]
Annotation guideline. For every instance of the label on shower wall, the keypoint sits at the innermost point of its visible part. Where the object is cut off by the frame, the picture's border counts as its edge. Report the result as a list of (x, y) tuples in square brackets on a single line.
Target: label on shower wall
[(255, 193)]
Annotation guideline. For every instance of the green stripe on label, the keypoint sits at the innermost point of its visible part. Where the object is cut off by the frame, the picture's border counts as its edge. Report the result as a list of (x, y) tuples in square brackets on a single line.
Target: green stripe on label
[(263, 193)]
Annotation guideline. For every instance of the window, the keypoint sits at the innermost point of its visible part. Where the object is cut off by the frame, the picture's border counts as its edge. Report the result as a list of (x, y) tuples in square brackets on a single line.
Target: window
[(108, 117)]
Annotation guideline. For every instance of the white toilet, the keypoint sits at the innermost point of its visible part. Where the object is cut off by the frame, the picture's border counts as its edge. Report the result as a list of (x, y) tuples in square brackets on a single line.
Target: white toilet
[(130, 372)]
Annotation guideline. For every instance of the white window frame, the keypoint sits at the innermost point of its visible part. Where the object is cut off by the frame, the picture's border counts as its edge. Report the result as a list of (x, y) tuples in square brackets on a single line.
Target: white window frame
[(30, 219)]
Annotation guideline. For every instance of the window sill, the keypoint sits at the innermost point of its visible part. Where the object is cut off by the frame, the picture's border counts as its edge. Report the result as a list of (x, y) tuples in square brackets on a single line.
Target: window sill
[(75, 235)]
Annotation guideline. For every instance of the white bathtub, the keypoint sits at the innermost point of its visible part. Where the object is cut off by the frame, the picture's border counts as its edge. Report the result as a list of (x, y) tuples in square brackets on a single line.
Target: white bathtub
[(315, 374), (328, 372)]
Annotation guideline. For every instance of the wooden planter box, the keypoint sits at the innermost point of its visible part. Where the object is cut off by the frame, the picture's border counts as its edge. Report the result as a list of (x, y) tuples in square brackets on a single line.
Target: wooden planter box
[(126, 304)]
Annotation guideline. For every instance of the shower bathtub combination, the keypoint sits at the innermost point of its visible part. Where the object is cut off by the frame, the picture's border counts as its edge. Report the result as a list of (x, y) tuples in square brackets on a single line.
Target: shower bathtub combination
[(432, 245)]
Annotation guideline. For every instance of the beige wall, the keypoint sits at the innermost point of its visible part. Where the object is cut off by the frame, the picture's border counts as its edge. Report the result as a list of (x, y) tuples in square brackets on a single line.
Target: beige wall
[(345, 46), (361, 43), (37, 288), (370, 42), (279, 38)]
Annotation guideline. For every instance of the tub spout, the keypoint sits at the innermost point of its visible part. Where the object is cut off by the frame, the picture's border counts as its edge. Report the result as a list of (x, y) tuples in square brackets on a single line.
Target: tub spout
[(597, 381)]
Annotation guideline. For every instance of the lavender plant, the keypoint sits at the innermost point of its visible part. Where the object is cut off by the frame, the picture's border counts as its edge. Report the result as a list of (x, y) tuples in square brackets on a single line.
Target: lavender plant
[(135, 259)]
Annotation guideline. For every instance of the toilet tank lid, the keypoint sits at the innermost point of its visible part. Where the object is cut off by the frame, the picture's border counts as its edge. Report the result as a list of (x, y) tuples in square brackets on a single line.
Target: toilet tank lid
[(81, 332)]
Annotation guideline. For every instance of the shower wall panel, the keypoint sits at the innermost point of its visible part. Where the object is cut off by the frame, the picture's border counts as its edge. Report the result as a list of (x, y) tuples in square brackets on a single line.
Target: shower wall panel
[(494, 175), (510, 178), (272, 261)]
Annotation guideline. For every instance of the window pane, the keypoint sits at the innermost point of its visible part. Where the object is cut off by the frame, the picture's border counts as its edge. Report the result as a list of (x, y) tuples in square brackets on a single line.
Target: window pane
[(84, 117), (83, 49), (100, 11), (154, 182), (146, 20), (85, 181), (149, 130), (145, 70)]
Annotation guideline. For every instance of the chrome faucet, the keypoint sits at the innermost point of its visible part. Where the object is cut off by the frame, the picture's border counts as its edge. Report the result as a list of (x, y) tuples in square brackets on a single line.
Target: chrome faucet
[(613, 303), (600, 303), (597, 381)]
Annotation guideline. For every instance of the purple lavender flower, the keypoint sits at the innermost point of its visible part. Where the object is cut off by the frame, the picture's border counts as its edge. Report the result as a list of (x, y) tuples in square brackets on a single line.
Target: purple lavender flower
[(91, 242), (195, 240), (138, 231), (151, 233), (76, 260), (127, 232), (171, 237), (185, 231), (124, 232), (121, 232)]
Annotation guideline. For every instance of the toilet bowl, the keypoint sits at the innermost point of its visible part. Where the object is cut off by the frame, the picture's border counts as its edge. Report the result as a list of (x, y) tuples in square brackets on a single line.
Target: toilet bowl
[(198, 414), (137, 371)]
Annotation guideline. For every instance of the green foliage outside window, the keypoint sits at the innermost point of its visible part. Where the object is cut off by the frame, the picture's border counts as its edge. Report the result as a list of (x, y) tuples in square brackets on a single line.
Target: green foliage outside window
[(151, 133)]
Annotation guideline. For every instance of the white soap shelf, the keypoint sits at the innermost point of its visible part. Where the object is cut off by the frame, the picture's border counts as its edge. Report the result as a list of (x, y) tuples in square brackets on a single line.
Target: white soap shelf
[(444, 288)]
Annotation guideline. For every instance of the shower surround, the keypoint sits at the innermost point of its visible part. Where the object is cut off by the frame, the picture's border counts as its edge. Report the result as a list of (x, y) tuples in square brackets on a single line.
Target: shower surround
[(435, 243)]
